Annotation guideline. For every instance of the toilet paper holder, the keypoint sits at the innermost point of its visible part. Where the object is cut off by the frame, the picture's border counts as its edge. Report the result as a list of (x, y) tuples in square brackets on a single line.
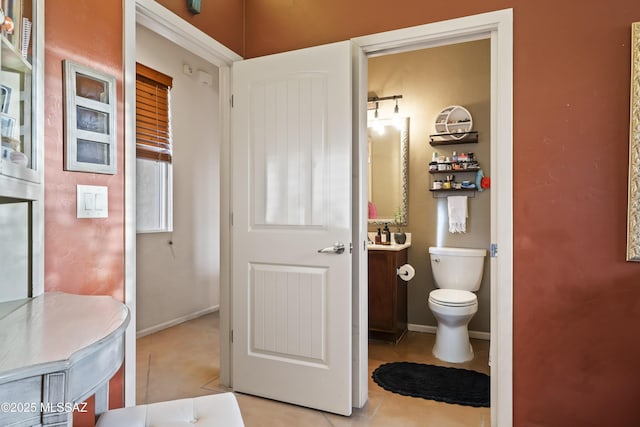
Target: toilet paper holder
[(406, 272), (402, 273)]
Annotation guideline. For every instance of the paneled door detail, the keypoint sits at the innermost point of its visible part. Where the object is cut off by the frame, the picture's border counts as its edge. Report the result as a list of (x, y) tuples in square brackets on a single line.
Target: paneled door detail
[(287, 316), (288, 144), (291, 292)]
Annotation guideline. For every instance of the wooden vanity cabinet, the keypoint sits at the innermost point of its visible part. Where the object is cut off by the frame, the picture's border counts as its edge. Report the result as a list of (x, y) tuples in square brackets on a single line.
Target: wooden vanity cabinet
[(387, 295)]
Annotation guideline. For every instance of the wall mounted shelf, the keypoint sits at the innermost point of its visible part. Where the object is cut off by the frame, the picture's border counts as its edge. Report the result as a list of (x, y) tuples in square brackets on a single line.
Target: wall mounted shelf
[(445, 192), (454, 125), (454, 121), (444, 138), (451, 171)]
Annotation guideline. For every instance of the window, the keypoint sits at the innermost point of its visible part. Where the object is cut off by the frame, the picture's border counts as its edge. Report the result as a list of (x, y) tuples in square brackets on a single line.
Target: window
[(154, 176)]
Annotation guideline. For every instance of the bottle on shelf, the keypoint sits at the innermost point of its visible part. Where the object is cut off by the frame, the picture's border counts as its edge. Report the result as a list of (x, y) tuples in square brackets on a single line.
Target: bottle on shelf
[(386, 235), (433, 165)]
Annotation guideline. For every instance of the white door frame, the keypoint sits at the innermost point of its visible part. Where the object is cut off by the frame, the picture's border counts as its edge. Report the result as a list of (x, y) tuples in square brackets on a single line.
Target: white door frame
[(165, 23), (498, 26)]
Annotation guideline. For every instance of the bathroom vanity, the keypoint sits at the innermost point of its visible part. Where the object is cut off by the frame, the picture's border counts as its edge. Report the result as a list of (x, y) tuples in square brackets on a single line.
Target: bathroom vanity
[(387, 292)]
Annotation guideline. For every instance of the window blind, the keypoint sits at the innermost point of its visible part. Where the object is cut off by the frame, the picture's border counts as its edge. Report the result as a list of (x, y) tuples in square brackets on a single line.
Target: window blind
[(153, 127)]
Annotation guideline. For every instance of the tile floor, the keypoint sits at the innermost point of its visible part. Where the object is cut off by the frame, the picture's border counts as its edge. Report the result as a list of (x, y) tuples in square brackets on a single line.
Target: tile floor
[(183, 361)]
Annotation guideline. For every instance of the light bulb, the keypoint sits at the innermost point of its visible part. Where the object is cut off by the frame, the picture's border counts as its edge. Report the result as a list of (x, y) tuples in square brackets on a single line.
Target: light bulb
[(397, 120), (378, 127)]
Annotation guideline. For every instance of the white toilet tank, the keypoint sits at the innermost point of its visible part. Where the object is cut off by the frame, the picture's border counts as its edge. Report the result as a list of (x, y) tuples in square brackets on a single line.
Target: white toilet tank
[(457, 268)]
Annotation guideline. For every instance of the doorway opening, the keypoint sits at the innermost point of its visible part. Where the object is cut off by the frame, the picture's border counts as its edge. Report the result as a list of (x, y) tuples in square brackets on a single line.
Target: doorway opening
[(216, 62), (497, 27), (428, 80), (178, 264)]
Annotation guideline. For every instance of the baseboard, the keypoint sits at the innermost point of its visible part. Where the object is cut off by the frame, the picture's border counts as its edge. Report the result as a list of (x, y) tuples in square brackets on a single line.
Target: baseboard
[(432, 330), (174, 322)]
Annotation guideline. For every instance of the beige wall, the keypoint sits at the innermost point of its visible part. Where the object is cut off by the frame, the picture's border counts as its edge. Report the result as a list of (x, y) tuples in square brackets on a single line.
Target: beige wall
[(430, 80), (181, 280)]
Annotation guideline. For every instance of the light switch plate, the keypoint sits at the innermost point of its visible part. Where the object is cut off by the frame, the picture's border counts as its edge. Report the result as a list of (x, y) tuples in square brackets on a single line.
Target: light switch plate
[(92, 201)]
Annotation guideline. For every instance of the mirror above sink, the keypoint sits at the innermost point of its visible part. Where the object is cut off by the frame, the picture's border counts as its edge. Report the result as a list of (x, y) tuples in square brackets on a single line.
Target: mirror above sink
[(388, 171)]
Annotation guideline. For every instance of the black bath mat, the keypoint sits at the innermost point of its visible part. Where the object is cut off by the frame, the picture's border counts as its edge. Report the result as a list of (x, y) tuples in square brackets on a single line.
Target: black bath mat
[(450, 385)]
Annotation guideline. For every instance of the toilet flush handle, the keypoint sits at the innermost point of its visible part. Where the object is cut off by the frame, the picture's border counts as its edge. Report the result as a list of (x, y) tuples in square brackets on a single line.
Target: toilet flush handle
[(436, 260)]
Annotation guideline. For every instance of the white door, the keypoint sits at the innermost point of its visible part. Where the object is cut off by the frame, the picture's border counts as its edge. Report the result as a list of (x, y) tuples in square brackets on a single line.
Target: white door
[(291, 139)]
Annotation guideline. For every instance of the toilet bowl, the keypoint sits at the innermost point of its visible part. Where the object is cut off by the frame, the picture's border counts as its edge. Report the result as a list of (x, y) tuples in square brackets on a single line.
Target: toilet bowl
[(457, 273), (453, 316)]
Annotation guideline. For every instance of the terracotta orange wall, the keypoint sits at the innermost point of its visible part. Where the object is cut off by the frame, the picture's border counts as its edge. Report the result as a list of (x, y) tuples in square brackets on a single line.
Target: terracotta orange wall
[(221, 19), (576, 301), (82, 256)]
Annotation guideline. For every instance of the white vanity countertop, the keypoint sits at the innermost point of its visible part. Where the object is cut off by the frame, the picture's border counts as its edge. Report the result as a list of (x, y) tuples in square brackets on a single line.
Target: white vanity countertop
[(392, 247)]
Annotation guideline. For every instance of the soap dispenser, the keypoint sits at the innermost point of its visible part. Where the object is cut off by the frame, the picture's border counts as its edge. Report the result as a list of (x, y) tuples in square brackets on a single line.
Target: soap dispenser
[(378, 239), (386, 235)]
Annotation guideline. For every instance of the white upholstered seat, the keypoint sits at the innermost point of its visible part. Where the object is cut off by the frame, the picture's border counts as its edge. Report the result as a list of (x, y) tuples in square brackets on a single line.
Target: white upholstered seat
[(215, 410)]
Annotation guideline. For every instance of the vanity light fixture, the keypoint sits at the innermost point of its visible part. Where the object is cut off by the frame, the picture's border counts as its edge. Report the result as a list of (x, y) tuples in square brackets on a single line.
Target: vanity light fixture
[(378, 99), (397, 120)]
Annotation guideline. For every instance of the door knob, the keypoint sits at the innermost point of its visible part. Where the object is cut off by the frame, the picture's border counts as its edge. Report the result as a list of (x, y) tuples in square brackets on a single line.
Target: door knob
[(337, 249)]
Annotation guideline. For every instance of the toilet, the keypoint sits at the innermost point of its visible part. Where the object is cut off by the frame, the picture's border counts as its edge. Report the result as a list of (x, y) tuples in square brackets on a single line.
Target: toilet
[(457, 273)]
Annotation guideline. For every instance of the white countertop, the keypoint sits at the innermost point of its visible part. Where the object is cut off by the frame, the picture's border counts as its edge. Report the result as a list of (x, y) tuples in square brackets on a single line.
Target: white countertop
[(392, 247)]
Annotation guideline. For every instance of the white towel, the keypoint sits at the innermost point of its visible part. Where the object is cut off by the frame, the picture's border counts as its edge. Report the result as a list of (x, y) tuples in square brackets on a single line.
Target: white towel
[(457, 214)]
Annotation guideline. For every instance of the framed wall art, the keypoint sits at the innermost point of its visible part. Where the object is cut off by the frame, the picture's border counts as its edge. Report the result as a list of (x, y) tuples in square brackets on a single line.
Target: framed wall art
[(90, 120)]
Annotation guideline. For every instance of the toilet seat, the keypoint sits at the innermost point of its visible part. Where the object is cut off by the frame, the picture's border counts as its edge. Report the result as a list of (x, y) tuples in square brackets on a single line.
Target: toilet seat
[(453, 297)]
